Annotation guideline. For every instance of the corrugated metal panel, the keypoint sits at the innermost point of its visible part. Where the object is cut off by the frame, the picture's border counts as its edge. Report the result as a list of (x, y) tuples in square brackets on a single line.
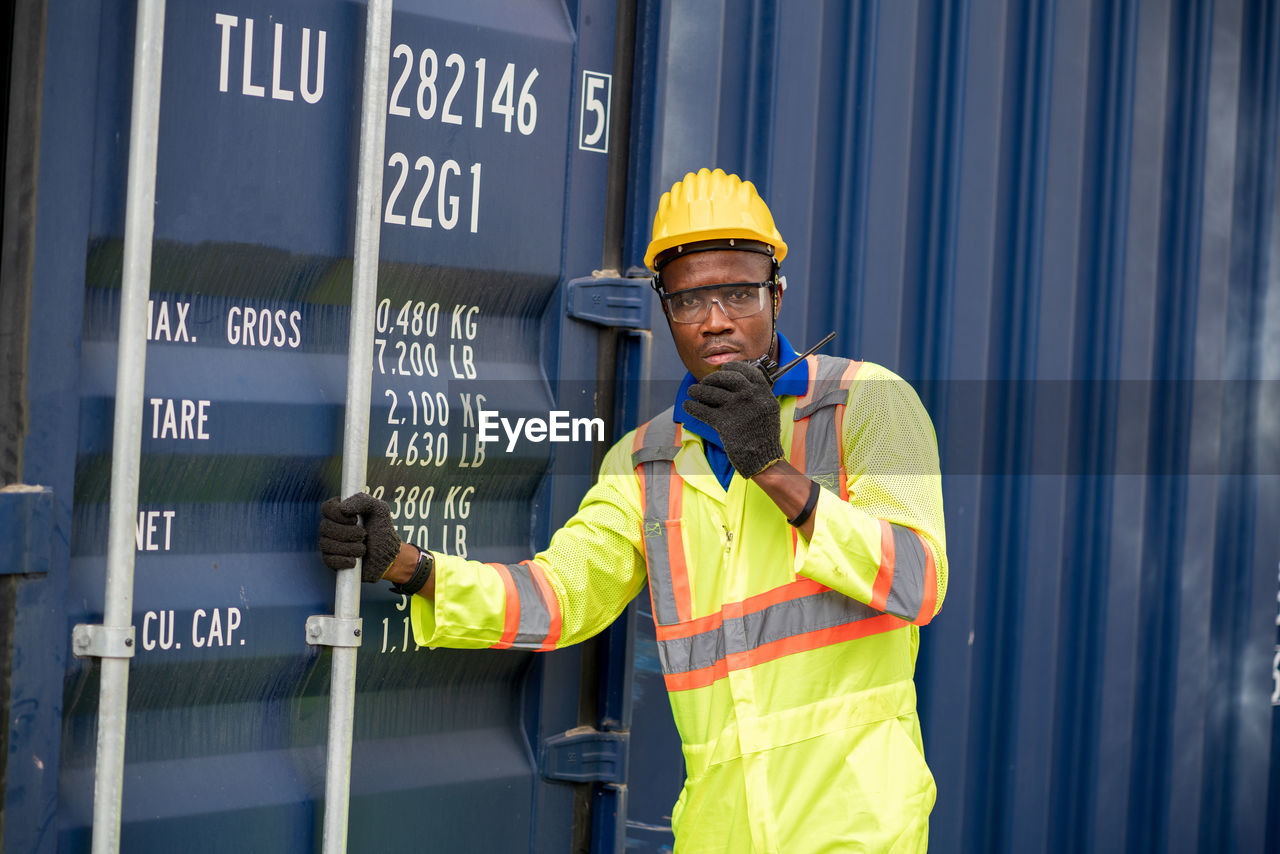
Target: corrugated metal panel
[(1057, 219)]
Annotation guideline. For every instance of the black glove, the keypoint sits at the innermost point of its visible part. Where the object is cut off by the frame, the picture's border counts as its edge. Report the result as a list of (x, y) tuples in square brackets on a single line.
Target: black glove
[(342, 539), (737, 402)]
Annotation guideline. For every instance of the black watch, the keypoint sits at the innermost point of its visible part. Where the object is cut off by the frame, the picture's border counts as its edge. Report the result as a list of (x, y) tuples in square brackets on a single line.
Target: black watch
[(426, 563)]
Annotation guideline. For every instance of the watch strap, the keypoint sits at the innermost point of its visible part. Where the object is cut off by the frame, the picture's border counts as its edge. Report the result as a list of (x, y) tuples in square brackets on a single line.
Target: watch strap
[(426, 563)]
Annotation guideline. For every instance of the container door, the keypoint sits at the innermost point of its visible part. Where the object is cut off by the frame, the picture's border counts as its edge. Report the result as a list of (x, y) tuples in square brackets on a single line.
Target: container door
[(493, 198)]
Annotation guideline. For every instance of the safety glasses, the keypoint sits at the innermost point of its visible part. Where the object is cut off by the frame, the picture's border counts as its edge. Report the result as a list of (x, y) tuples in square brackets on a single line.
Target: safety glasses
[(736, 300)]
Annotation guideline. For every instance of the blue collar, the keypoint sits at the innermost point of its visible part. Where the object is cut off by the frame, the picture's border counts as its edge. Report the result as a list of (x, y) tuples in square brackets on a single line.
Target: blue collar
[(795, 383)]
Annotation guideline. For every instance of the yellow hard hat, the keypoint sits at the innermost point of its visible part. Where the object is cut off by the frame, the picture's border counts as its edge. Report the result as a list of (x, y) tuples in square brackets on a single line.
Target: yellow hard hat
[(709, 205)]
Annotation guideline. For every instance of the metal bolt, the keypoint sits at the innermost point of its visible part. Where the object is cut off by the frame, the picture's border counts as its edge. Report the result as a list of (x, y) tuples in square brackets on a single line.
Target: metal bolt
[(128, 641), (357, 633)]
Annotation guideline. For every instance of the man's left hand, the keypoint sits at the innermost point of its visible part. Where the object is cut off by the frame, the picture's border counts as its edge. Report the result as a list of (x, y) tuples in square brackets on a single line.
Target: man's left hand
[(737, 402)]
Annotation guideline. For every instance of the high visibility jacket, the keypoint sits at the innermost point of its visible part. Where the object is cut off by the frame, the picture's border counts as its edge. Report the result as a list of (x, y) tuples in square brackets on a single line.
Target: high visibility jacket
[(788, 663)]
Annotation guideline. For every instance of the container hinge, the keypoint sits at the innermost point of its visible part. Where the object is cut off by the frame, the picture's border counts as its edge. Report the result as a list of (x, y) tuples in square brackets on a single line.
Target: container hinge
[(326, 630), (610, 301), (26, 529), (584, 755), (99, 641)]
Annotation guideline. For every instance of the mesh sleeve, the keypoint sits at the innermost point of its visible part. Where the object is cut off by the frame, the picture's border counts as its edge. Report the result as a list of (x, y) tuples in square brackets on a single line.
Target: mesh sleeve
[(891, 460)]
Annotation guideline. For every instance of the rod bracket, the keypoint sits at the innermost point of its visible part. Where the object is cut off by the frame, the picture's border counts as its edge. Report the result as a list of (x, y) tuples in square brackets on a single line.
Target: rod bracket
[(326, 630), (584, 755), (99, 641), (616, 301)]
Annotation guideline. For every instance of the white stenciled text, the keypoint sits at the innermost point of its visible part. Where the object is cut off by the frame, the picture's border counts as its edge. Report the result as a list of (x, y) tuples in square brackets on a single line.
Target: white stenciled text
[(179, 419), (290, 45)]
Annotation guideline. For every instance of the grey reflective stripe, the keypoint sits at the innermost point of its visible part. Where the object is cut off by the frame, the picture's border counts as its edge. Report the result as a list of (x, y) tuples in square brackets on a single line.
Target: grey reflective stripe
[(682, 655), (830, 397), (826, 386), (822, 449), (655, 455), (811, 613), (822, 441), (659, 440), (906, 596), (535, 619), (649, 455)]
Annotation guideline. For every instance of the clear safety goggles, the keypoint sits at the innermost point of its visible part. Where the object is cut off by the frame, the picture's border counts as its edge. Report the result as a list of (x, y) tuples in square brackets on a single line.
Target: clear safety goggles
[(736, 300)]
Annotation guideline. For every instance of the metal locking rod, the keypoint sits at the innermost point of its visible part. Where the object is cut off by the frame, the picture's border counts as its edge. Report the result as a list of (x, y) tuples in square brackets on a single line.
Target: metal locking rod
[(112, 641), (355, 447)]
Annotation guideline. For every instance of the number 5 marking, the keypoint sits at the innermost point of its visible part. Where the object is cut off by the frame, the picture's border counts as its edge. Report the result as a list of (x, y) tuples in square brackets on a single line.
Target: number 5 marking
[(597, 91), (1275, 678)]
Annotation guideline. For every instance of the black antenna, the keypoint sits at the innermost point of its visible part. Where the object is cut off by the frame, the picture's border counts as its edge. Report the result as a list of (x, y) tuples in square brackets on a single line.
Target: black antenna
[(771, 370)]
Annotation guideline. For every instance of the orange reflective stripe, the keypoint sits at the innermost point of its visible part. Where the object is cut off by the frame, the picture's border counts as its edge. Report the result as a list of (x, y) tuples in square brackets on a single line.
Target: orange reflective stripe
[(644, 503), (675, 546), (511, 617), (636, 446), (813, 640), (930, 603), (696, 678), (705, 676), (785, 593), (798, 435), (689, 628), (846, 381), (750, 605), (653, 458), (910, 568), (884, 578), (553, 604), (812, 363)]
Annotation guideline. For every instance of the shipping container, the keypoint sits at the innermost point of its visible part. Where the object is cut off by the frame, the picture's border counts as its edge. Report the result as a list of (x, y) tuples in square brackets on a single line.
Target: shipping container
[(1056, 220)]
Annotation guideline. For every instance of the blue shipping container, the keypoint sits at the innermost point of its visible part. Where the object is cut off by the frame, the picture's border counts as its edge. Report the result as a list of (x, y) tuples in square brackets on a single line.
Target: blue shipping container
[(1057, 220)]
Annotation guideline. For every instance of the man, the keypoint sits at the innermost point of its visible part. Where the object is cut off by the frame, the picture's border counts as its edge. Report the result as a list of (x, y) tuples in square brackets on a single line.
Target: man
[(792, 539)]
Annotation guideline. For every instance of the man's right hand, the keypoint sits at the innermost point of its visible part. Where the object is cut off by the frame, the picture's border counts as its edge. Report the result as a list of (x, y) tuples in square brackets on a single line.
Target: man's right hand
[(343, 539)]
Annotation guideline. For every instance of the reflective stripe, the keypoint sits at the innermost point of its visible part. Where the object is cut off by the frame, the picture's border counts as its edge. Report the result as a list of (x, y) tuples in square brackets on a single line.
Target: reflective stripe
[(829, 382), (656, 446), (657, 440), (907, 584), (930, 603), (908, 574), (744, 632), (532, 619), (819, 453), (511, 617), (846, 382), (825, 394), (914, 576), (693, 679), (822, 449), (553, 606), (817, 443), (884, 577), (796, 617)]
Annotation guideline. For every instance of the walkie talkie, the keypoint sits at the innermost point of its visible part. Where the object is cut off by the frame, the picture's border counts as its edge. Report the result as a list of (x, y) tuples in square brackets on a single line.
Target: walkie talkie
[(770, 367)]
